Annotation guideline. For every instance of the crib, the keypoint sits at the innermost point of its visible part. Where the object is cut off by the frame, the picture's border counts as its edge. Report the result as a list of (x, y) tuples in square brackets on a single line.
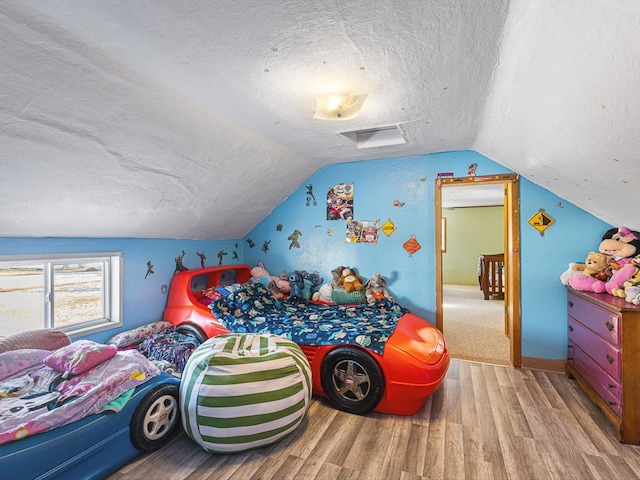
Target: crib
[(491, 275)]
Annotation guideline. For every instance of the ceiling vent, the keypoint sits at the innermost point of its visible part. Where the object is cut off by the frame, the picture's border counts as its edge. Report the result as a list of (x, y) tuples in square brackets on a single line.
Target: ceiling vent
[(376, 137)]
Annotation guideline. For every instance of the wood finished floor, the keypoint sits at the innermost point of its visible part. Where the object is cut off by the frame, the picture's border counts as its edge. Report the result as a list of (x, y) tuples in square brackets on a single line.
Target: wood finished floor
[(485, 422)]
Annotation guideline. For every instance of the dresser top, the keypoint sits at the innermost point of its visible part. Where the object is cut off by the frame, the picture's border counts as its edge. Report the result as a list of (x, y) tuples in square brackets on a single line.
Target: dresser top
[(607, 301)]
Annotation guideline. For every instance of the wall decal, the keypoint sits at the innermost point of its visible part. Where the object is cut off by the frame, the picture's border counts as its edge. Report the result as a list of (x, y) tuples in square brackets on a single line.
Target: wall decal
[(388, 227), (362, 231), (422, 179), (340, 202), (179, 266), (412, 245), (311, 199), (250, 242), (234, 255), (279, 227), (294, 239), (398, 203), (202, 258), (472, 170), (265, 246), (330, 232), (541, 221), (221, 255), (149, 269)]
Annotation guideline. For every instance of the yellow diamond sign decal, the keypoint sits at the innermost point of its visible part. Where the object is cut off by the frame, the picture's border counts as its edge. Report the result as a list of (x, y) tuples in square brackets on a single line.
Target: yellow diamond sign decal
[(388, 227), (541, 221)]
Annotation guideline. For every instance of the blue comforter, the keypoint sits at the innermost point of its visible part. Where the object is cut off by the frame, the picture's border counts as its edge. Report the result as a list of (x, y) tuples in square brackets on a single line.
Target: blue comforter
[(253, 309)]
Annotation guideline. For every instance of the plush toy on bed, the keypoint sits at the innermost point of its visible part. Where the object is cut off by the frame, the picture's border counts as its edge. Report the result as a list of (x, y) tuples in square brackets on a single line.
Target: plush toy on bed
[(323, 295), (347, 287), (350, 280), (376, 289), (304, 284), (622, 245), (278, 286)]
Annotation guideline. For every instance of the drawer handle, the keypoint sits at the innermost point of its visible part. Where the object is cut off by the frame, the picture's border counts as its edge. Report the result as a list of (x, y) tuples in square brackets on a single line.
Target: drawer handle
[(609, 326), (570, 304), (571, 328), (609, 359)]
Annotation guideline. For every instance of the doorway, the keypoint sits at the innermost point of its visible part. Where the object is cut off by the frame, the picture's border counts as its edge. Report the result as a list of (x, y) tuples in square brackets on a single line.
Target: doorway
[(510, 305)]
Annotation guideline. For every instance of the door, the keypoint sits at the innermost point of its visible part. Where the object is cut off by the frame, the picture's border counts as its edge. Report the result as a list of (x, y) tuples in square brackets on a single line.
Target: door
[(511, 257)]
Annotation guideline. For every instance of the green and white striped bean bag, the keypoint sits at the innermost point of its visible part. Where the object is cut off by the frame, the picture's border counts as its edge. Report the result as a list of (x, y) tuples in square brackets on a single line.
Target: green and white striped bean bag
[(242, 391)]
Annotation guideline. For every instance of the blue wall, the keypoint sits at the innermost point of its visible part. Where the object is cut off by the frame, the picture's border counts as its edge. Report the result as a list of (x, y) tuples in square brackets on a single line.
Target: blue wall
[(143, 300), (411, 280)]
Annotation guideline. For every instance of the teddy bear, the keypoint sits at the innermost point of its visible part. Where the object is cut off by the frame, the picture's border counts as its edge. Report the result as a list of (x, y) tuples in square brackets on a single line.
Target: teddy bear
[(622, 245), (349, 280), (376, 289), (596, 265)]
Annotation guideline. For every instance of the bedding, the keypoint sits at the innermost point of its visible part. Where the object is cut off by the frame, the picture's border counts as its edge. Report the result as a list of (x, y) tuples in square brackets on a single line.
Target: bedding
[(252, 309), (37, 397), (173, 349)]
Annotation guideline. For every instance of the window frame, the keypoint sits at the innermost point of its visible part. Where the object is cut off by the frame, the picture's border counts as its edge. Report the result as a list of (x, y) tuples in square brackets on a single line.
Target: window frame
[(112, 288)]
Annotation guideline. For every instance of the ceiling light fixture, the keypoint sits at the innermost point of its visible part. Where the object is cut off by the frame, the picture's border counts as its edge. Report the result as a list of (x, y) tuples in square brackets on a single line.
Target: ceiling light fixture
[(338, 106)]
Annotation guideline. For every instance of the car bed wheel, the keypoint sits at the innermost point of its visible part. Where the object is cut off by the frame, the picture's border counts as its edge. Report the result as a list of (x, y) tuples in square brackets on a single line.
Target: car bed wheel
[(352, 380), (192, 331), (155, 418)]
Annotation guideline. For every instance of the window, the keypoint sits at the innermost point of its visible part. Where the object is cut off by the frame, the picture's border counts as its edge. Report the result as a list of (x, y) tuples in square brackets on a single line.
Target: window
[(79, 294)]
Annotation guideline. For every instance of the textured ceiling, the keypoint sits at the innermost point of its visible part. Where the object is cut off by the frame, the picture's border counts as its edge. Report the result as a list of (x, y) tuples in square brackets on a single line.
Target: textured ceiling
[(170, 118)]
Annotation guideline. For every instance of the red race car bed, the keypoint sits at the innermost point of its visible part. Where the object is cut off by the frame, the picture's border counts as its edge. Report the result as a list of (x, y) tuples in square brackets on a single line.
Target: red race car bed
[(363, 357)]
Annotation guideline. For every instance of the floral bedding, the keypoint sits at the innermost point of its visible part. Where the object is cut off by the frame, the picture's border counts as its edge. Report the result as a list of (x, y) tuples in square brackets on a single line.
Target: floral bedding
[(253, 309), (35, 397)]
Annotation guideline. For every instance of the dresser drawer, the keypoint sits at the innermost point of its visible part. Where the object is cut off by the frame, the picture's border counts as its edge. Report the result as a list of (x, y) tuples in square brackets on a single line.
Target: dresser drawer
[(607, 387), (601, 321), (602, 352)]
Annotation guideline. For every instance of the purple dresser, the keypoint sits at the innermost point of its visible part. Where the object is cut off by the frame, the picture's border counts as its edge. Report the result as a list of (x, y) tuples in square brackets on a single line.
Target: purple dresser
[(604, 357)]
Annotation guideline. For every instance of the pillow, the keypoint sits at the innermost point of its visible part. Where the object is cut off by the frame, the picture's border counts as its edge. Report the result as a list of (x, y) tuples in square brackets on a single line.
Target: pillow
[(15, 361), (214, 293), (42, 339), (79, 357), (342, 297), (138, 334)]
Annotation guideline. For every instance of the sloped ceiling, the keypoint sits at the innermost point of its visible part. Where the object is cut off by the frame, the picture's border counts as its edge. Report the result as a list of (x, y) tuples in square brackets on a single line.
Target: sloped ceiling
[(194, 119)]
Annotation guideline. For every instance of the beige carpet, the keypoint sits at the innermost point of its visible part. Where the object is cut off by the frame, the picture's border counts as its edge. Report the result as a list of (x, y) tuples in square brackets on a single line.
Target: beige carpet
[(474, 327)]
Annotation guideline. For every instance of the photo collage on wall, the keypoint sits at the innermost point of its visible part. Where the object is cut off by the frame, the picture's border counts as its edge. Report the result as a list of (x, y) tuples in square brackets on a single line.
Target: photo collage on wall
[(361, 231)]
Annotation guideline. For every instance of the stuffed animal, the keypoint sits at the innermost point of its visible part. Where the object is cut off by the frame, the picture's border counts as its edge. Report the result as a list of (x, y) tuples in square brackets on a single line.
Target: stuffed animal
[(632, 295), (376, 289), (278, 286), (323, 294), (572, 271), (349, 280), (630, 286), (312, 283), (596, 265), (622, 245), (297, 284)]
